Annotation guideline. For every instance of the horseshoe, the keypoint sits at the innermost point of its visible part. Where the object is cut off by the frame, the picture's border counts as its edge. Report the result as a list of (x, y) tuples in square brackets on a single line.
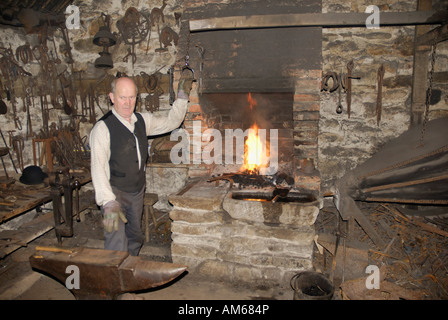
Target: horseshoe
[(326, 77)]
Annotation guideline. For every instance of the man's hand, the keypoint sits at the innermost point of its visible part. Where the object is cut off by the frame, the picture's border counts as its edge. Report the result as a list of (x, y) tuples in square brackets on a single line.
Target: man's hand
[(112, 214), (184, 88)]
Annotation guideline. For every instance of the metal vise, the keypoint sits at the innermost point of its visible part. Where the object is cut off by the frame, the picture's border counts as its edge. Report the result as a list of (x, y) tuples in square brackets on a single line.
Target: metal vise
[(63, 214), (103, 274)]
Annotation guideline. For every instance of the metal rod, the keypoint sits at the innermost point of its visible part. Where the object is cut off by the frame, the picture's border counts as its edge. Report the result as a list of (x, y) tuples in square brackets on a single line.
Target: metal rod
[(8, 151), (406, 184), (422, 201)]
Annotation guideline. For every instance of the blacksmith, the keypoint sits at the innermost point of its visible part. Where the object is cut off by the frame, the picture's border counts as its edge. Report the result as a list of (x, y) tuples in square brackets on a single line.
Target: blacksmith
[(119, 150)]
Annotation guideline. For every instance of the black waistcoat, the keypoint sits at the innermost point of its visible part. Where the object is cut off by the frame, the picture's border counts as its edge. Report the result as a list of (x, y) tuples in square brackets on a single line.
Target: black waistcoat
[(125, 173)]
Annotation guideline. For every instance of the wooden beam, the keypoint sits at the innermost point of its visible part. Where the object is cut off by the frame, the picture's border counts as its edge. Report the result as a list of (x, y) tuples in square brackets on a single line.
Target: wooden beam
[(428, 38), (348, 19), (420, 70)]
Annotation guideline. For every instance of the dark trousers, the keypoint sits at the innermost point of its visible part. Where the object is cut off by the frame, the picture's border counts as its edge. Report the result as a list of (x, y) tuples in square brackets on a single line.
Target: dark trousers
[(129, 236)]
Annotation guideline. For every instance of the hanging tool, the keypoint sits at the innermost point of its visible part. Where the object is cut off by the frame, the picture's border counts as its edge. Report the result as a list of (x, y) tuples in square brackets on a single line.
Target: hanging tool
[(3, 107), (133, 28), (68, 109), (17, 122), (3, 162), (334, 78), (431, 79), (339, 107), (18, 145), (45, 116), (187, 68), (24, 53), (29, 100), (10, 156), (201, 52), (348, 87), (379, 96), (172, 94)]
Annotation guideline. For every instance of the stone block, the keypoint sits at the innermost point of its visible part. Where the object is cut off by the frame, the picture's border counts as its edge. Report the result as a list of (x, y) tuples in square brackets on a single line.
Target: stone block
[(200, 252), (185, 239), (306, 115), (196, 229), (306, 106), (307, 181), (200, 197), (306, 97), (216, 269), (288, 213), (191, 262), (196, 216), (164, 180)]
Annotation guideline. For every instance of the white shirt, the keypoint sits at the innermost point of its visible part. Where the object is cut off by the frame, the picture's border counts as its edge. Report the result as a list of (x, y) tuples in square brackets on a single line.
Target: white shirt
[(100, 145)]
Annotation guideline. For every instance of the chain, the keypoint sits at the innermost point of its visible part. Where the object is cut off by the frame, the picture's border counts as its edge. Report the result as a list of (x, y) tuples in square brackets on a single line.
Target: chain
[(187, 49), (431, 76)]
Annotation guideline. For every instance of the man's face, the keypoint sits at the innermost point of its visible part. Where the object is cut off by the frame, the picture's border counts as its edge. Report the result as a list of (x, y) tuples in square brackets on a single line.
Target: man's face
[(124, 97)]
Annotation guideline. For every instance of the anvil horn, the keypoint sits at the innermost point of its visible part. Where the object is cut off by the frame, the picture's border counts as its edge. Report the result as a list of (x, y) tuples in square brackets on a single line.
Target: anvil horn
[(103, 274)]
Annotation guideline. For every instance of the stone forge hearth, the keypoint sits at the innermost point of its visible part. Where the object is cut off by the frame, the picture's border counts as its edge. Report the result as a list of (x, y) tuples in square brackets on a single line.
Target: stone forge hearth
[(260, 243)]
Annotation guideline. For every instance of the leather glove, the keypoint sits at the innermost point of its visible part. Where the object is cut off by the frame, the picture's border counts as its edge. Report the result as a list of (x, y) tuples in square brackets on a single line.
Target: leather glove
[(112, 214)]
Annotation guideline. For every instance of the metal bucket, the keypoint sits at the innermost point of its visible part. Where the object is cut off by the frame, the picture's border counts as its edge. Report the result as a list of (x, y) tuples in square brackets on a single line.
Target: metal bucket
[(310, 285)]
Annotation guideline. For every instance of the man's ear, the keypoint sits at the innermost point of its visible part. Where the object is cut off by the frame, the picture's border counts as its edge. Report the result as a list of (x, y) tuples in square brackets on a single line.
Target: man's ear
[(111, 97)]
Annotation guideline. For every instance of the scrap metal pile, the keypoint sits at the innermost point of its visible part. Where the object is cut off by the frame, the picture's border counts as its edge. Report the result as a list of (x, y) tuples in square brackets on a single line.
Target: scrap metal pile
[(413, 265), (244, 180)]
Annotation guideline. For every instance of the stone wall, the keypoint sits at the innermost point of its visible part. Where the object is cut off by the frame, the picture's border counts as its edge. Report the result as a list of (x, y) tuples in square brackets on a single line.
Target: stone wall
[(149, 59), (344, 142), (341, 142)]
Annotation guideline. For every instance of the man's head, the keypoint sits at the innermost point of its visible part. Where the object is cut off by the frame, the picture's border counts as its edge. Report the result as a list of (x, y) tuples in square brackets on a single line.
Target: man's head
[(124, 96)]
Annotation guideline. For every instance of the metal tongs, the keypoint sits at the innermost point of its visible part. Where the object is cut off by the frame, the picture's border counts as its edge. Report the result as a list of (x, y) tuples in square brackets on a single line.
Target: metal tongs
[(187, 67)]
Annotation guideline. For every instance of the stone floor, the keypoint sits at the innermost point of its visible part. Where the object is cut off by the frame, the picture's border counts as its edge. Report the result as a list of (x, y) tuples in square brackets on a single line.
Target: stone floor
[(19, 282)]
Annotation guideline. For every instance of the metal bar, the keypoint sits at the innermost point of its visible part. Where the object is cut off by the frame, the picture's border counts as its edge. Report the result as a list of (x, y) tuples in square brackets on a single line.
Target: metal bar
[(346, 19), (405, 184), (404, 163), (421, 201)]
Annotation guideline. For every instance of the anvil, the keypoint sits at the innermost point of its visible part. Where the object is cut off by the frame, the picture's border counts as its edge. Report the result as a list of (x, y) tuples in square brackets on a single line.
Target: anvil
[(103, 274)]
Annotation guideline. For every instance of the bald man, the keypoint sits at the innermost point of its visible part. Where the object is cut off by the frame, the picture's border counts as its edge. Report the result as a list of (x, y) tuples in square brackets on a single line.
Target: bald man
[(119, 150)]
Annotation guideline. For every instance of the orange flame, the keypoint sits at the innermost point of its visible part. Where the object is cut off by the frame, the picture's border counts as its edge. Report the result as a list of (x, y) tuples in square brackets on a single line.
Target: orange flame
[(254, 156), (252, 102), (252, 151)]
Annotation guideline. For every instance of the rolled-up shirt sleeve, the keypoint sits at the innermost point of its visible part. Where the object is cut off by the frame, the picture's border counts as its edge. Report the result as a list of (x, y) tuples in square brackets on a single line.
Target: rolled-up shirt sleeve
[(158, 124), (99, 163)]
